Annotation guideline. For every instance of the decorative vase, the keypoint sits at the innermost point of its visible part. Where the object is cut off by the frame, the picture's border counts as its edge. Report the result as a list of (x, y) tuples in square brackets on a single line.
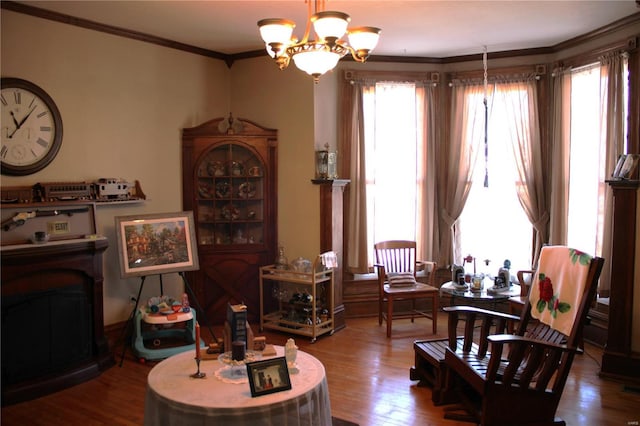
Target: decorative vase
[(281, 260)]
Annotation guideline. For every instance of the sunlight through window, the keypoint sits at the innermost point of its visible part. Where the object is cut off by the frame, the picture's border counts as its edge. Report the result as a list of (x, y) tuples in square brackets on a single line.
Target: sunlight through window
[(587, 166), (391, 167), (493, 224)]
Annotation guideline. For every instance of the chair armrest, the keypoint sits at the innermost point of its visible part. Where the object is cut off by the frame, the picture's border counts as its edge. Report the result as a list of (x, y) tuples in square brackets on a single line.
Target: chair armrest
[(524, 286), (430, 268), (420, 264), (379, 268), (480, 311), (382, 276), (502, 339)]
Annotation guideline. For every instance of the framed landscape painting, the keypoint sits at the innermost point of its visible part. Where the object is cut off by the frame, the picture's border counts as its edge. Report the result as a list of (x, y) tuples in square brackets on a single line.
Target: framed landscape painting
[(159, 243)]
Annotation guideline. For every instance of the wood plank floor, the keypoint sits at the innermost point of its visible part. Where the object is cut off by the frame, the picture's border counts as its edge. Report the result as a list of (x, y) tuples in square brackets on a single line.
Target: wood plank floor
[(368, 378)]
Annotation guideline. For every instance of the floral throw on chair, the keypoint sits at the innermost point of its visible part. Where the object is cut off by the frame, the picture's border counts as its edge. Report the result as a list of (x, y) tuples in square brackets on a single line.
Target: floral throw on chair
[(559, 283)]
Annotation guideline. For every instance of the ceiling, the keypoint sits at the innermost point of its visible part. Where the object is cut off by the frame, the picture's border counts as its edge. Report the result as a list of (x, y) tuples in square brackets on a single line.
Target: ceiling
[(427, 28)]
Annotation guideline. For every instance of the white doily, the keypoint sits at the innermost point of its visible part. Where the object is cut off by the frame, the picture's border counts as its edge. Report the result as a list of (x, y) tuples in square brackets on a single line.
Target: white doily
[(234, 375)]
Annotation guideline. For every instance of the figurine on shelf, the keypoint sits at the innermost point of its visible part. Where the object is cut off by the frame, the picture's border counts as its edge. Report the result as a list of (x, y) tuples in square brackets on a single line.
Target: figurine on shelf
[(503, 280), (291, 352), (457, 275)]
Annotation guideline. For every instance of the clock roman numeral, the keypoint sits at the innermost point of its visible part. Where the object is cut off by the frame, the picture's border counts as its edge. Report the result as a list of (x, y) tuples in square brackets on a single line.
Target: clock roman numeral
[(4, 151), (42, 143), (42, 114), (32, 101), (3, 100), (18, 97), (45, 128)]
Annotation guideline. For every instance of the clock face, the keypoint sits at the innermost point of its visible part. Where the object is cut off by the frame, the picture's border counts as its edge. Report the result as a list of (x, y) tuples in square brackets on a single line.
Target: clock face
[(31, 127)]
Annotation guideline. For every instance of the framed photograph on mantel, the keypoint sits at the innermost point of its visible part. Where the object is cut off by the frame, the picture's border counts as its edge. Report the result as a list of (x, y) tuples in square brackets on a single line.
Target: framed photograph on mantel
[(627, 164), (159, 243)]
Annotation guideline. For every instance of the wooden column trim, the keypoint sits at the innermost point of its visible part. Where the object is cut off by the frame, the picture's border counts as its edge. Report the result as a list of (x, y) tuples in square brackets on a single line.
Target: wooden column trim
[(618, 359), (332, 234)]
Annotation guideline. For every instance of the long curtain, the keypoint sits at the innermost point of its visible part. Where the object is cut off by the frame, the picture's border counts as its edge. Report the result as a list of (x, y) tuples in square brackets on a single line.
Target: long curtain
[(612, 109), (560, 141), (524, 127), (456, 159), (353, 144), (427, 225)]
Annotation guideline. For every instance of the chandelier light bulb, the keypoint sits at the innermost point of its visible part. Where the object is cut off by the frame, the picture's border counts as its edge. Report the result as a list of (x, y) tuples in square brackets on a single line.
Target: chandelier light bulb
[(364, 39), (316, 62), (276, 30), (330, 25)]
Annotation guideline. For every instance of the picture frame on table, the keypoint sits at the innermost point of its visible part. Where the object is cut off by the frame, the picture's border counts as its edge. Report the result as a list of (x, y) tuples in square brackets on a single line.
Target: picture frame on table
[(268, 376), (159, 243)]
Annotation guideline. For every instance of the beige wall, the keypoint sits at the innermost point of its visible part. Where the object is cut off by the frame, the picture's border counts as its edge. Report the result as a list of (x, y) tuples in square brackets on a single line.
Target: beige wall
[(283, 100), (123, 105)]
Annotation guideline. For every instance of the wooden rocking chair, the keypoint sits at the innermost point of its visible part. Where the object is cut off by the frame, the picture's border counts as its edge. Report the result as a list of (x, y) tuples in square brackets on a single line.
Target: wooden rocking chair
[(520, 379)]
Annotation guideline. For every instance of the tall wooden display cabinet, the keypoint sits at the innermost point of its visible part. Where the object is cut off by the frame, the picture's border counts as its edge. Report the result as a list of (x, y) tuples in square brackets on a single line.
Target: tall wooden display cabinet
[(229, 176)]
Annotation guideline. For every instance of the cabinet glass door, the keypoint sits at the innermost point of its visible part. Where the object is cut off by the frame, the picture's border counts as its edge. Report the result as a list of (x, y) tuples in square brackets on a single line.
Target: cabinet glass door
[(230, 196)]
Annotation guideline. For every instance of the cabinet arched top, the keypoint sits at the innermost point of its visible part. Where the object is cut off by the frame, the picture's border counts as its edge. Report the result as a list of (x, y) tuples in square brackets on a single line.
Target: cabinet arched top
[(229, 158), (229, 126)]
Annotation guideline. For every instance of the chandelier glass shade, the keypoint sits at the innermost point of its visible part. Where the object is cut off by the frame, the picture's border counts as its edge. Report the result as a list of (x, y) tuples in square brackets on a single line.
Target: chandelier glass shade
[(319, 55)]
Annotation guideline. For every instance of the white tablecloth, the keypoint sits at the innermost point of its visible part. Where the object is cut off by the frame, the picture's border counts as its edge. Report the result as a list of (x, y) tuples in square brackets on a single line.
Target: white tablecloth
[(174, 398)]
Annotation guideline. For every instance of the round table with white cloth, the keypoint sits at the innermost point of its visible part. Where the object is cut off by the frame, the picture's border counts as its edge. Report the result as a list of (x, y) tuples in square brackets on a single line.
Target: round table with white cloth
[(175, 398)]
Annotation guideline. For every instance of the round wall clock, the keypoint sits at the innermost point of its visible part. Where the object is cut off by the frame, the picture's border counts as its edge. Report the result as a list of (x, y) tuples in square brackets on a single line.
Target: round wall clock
[(31, 128)]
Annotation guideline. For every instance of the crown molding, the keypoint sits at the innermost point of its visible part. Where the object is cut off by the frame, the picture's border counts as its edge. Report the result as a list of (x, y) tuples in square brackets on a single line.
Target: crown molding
[(229, 59)]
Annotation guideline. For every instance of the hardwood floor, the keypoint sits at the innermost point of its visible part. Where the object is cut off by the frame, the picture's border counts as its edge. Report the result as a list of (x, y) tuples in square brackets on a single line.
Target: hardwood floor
[(368, 378)]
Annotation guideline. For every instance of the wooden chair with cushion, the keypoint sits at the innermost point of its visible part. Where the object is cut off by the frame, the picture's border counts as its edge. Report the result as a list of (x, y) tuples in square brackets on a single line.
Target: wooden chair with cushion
[(525, 372), (396, 266)]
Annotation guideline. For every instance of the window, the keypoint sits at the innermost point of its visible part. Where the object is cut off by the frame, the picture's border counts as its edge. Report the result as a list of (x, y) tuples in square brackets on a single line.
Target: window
[(585, 206), (493, 224), (391, 133), (587, 164), (391, 152)]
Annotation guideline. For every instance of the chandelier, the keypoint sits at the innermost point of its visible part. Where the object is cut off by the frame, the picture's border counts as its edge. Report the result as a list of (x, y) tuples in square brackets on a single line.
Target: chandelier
[(319, 55)]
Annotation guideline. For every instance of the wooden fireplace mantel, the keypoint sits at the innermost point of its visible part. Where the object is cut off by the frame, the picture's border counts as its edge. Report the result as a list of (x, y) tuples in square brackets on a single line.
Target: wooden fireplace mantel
[(52, 317)]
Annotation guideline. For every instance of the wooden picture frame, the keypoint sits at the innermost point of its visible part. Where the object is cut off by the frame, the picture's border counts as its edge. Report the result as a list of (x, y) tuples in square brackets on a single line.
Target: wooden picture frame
[(268, 376), (616, 171), (626, 165), (629, 166), (158, 243)]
